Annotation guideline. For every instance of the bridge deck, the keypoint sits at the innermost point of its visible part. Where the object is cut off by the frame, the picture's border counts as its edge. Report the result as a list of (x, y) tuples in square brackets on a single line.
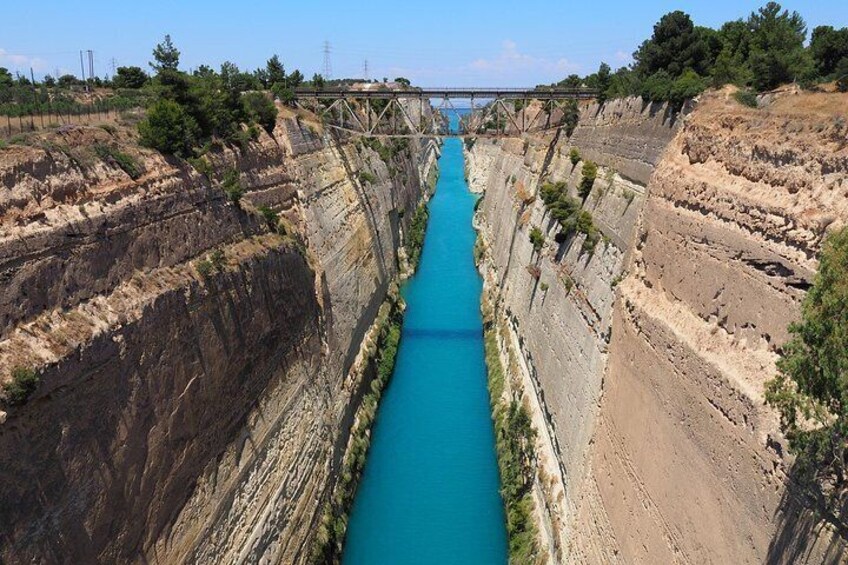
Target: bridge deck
[(482, 93)]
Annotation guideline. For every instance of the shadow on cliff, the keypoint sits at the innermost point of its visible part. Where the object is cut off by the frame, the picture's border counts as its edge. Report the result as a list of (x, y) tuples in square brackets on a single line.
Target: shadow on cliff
[(807, 531)]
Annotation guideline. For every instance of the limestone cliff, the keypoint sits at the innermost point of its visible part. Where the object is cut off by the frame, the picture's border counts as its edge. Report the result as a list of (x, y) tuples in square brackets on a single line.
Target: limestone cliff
[(194, 396), (645, 359)]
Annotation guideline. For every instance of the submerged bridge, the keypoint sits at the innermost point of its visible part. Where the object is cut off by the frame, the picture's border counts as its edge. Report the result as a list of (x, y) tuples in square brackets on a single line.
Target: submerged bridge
[(421, 112)]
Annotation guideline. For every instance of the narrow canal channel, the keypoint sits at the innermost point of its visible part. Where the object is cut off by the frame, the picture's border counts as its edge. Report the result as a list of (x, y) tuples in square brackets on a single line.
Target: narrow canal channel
[(429, 491)]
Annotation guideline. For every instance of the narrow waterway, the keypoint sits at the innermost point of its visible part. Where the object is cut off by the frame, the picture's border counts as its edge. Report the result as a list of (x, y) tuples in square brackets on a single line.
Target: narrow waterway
[(429, 492)]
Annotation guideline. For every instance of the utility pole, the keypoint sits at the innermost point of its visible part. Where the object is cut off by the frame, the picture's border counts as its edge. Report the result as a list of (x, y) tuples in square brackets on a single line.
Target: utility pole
[(328, 64), (82, 69), (90, 64)]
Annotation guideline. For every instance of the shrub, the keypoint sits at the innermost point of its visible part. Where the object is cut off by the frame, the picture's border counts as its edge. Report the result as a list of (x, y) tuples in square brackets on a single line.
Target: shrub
[(810, 390), (574, 156), (114, 156), (231, 186), (367, 177), (204, 268), (129, 77), (169, 129), (590, 173), (24, 382), (746, 98), (537, 238), (261, 109), (217, 259), (271, 217), (842, 75)]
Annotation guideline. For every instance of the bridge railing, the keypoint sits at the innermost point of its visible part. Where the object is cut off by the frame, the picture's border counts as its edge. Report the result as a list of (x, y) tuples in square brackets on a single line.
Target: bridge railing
[(536, 93)]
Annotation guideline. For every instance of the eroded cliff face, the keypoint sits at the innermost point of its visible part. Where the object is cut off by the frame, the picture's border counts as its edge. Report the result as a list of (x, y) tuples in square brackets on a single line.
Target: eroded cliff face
[(645, 359), (185, 415)]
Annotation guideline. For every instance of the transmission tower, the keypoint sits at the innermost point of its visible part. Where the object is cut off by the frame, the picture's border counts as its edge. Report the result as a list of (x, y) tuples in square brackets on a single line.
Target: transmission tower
[(365, 70), (328, 64)]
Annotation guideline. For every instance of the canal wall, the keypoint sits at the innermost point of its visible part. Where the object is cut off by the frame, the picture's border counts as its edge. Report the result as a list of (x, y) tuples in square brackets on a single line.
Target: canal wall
[(644, 359), (198, 370)]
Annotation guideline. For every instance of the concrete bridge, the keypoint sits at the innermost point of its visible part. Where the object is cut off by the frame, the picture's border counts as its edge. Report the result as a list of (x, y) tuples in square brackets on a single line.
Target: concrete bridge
[(421, 112)]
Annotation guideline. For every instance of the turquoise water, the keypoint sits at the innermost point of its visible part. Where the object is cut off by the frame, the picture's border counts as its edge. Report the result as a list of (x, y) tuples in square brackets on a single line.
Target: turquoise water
[(429, 491)]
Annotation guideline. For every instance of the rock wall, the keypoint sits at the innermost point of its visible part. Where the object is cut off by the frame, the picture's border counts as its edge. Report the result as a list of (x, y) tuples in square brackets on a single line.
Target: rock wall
[(185, 415), (647, 358), (560, 319), (690, 464)]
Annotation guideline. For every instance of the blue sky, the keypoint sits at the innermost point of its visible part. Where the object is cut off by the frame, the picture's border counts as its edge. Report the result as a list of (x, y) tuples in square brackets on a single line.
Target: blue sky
[(439, 42)]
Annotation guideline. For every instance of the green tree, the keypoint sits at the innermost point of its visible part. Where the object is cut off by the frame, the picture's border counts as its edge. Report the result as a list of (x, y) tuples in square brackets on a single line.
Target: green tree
[(777, 47), (403, 81), (66, 81), (842, 75), (571, 81), (261, 109), (811, 388), (129, 77), (275, 71), (295, 79), (828, 46), (676, 45), (6, 78), (317, 81), (731, 64), (604, 82), (166, 56), (169, 129)]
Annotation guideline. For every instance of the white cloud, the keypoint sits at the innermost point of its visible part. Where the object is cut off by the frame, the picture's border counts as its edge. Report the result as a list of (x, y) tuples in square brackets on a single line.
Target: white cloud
[(511, 61), (21, 62)]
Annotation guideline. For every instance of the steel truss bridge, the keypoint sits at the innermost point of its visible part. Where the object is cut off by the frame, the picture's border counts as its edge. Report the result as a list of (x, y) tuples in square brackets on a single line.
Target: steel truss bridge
[(420, 112)]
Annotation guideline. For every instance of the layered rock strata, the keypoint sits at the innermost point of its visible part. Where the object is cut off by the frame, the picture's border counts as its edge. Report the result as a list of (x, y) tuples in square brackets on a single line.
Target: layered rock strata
[(646, 358), (194, 396)]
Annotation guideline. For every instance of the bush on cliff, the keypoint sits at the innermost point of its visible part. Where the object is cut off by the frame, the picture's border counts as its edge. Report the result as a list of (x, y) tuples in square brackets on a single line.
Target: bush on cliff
[(169, 129), (537, 238), (24, 382), (590, 173), (810, 390)]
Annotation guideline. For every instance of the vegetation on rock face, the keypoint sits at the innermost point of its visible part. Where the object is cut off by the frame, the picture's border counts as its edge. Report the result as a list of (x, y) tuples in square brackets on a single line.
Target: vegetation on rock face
[(681, 59), (568, 212), (24, 382), (515, 446), (589, 174), (124, 161), (537, 238), (574, 156), (414, 235), (231, 185), (811, 388), (329, 539)]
